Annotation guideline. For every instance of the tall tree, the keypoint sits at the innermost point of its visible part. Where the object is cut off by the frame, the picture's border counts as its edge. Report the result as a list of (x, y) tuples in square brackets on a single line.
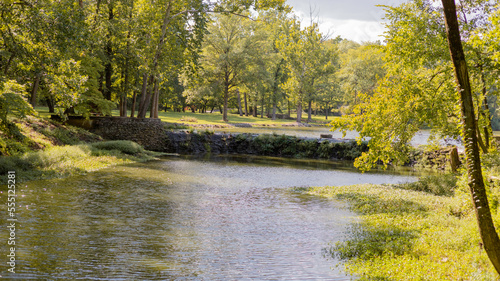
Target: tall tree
[(487, 230), (228, 48), (417, 90), (307, 59)]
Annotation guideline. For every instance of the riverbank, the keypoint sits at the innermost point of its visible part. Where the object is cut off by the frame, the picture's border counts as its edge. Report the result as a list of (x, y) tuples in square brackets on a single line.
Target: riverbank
[(43, 149), (419, 231), (186, 142)]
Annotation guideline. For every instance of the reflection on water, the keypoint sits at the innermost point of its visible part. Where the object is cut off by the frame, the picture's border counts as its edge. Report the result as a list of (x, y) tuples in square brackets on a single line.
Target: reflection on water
[(201, 219)]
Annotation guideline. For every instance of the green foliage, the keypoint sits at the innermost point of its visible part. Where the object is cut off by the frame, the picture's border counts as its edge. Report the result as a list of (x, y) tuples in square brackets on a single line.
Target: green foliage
[(12, 101), (127, 147), (361, 70), (14, 146), (308, 61), (441, 185), (57, 155), (418, 88), (307, 149), (172, 126), (408, 235), (60, 161), (368, 243), (67, 135), (10, 163), (289, 146)]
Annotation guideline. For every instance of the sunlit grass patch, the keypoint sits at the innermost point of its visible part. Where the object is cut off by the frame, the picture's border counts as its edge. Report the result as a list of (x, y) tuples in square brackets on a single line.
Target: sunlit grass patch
[(59, 161), (409, 235)]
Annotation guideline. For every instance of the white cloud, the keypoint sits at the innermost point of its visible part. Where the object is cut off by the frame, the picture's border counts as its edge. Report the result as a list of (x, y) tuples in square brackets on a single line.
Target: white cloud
[(356, 30), (357, 20)]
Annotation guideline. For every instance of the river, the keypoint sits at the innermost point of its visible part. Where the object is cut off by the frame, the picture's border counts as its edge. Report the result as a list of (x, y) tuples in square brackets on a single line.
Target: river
[(185, 218)]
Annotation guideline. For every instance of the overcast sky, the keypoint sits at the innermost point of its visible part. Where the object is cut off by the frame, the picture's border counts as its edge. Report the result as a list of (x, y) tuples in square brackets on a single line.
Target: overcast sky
[(358, 20)]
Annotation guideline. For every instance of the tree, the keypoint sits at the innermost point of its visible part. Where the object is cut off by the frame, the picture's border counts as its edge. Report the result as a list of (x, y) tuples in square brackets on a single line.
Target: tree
[(12, 101), (418, 89), (228, 50), (307, 60), (487, 230), (361, 69)]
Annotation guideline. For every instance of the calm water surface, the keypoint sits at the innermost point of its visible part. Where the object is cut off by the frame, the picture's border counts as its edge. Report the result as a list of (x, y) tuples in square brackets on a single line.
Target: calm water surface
[(224, 218)]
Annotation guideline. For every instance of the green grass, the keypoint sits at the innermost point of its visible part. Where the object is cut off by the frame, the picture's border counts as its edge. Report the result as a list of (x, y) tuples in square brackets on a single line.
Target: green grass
[(216, 118), (207, 118), (62, 161), (410, 235), (34, 133)]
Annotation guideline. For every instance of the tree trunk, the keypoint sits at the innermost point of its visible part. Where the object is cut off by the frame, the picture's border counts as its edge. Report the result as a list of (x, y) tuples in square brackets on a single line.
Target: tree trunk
[(226, 98), (327, 109), (134, 100), (299, 112), (155, 101), (144, 90), (108, 68), (145, 96), (239, 102), (486, 111), (126, 71), (124, 105), (480, 138), (309, 112), (34, 90), (108, 72), (50, 104), (7, 65), (274, 111), (487, 230), (262, 107), (488, 129), (246, 105), (255, 110), (454, 159)]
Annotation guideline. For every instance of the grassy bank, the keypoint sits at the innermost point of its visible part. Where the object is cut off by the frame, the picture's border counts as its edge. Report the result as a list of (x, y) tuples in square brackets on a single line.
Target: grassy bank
[(62, 161), (404, 234), (39, 148)]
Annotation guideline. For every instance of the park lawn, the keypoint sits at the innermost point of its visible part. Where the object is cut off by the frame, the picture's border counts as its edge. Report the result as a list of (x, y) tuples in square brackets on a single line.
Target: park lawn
[(209, 118), (216, 118)]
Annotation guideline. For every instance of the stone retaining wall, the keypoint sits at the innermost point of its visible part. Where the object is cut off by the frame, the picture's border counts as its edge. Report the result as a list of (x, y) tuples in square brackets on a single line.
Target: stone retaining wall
[(266, 145), (151, 134), (145, 131), (148, 132)]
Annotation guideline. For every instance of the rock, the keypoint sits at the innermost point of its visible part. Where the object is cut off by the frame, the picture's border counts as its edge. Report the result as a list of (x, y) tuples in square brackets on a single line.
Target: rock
[(242, 125)]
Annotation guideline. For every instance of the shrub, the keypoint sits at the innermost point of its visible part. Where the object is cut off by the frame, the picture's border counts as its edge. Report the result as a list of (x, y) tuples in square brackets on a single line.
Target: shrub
[(442, 185), (56, 154), (63, 135), (174, 126), (13, 163), (189, 119), (307, 148), (127, 147)]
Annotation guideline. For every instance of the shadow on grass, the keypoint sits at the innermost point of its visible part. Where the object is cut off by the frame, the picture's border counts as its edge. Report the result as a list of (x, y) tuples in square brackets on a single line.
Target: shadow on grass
[(378, 233), (372, 204), (367, 242)]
